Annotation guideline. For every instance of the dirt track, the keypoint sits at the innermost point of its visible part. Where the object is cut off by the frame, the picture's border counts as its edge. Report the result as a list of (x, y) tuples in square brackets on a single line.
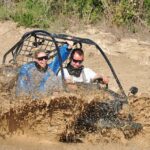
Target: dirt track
[(131, 60)]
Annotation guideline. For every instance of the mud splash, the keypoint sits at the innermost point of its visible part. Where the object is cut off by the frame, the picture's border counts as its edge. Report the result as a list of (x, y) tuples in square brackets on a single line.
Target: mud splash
[(68, 118), (87, 114)]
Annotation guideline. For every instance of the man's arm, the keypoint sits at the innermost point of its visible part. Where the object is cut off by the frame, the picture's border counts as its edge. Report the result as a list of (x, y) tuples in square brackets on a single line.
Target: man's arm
[(94, 77), (64, 53)]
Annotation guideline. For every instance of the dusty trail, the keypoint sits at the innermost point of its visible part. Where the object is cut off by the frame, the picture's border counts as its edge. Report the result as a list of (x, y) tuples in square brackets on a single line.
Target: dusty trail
[(131, 60)]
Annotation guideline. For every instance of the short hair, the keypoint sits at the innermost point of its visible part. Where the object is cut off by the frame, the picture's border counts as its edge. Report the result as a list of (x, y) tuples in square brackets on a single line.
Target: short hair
[(37, 51), (78, 51)]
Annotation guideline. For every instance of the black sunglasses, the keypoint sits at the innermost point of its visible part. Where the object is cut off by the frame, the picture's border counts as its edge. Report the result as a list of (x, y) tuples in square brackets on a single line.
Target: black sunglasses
[(77, 61), (44, 57)]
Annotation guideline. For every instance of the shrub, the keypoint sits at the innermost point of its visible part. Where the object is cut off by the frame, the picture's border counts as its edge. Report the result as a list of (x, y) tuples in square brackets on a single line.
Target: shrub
[(147, 10), (41, 13)]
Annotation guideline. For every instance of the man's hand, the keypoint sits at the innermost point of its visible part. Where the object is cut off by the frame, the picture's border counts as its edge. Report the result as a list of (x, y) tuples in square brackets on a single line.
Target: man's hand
[(70, 44), (101, 79), (105, 80)]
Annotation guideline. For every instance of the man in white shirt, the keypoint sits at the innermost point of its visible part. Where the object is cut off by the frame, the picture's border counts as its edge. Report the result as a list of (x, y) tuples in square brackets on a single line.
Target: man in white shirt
[(76, 72)]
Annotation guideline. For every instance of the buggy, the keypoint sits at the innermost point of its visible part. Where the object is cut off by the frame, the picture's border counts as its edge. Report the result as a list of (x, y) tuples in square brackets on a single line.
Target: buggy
[(102, 113), (22, 52)]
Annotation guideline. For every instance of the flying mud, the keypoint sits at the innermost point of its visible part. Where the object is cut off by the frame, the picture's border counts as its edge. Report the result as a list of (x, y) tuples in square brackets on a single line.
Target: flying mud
[(71, 116)]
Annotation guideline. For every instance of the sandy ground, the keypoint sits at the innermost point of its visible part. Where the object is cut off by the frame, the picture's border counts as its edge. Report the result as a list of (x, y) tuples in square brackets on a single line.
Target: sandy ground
[(130, 57)]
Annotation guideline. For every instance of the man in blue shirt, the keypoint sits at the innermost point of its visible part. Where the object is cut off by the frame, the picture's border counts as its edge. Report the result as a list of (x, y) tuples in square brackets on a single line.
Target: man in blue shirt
[(38, 77)]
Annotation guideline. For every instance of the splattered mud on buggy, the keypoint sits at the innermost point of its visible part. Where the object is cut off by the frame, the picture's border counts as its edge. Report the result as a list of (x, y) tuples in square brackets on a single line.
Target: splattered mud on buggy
[(8, 77)]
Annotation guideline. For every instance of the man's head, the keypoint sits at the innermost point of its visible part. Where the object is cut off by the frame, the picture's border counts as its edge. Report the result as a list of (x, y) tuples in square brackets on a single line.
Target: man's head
[(41, 58), (76, 58)]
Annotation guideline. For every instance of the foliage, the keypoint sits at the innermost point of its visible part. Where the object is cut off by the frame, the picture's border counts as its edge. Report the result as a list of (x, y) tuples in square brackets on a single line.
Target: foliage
[(124, 13), (147, 10), (41, 13)]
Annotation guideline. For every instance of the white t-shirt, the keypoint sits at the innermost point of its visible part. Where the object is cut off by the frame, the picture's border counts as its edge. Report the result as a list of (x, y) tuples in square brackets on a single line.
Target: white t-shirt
[(86, 75)]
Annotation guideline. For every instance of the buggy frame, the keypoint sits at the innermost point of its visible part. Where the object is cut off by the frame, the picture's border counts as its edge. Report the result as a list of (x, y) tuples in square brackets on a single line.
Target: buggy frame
[(50, 42)]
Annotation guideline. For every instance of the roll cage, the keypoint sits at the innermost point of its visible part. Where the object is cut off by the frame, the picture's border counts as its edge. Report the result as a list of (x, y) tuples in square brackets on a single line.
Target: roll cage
[(22, 51)]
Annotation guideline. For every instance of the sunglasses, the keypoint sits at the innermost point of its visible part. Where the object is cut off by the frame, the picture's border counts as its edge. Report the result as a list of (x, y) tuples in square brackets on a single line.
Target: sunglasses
[(42, 58), (77, 61)]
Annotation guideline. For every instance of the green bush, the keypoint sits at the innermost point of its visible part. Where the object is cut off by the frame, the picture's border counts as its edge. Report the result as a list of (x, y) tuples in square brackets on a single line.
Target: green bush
[(3, 13), (42, 13), (147, 10), (31, 13), (124, 13)]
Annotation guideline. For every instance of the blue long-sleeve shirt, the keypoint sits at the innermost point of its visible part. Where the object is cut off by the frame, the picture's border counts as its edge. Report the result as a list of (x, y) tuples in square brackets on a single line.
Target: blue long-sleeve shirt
[(31, 81)]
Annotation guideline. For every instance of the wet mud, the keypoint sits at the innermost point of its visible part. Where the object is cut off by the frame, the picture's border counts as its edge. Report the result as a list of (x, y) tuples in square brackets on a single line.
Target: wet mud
[(71, 118), (85, 114)]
